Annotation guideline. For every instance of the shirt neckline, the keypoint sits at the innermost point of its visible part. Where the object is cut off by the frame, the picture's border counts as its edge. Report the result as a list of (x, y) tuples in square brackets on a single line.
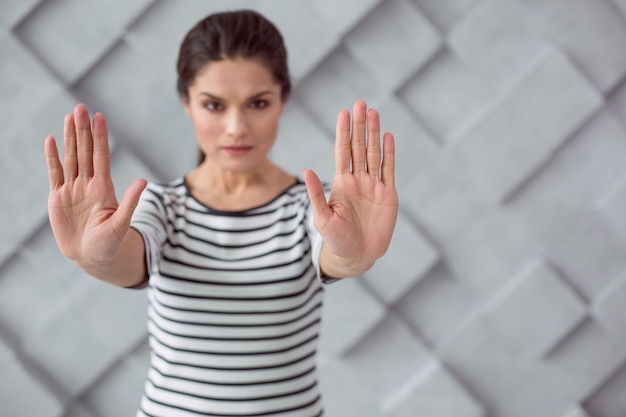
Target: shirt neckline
[(296, 181)]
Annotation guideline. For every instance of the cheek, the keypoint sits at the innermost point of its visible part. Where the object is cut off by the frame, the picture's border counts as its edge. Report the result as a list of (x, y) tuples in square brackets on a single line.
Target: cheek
[(204, 126), (270, 125)]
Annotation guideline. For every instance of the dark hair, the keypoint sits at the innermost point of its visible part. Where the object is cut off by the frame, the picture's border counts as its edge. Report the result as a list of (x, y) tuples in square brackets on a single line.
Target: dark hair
[(229, 35)]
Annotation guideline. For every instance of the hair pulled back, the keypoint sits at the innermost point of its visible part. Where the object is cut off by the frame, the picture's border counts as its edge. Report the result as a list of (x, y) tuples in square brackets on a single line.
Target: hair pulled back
[(230, 35)]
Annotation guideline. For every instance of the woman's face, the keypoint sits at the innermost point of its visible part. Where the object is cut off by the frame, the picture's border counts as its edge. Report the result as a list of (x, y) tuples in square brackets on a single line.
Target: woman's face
[(235, 106)]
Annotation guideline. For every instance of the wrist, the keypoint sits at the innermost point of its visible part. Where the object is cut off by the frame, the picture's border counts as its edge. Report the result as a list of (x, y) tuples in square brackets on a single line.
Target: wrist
[(334, 266)]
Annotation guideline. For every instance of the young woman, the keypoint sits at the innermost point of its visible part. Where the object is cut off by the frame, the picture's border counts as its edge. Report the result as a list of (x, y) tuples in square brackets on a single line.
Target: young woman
[(234, 253)]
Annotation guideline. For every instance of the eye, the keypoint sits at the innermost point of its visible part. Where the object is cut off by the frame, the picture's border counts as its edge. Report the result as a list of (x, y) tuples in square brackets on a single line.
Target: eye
[(214, 106), (259, 104)]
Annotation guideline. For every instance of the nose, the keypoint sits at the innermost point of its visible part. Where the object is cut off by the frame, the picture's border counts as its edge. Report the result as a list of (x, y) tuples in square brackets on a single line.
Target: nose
[(236, 123)]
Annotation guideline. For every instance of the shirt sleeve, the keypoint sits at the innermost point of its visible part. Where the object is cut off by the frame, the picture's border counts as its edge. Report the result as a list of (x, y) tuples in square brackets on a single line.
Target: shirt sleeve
[(150, 220), (316, 241)]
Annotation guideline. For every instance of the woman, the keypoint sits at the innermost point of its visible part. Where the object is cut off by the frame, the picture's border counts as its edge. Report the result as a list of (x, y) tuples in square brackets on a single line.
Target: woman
[(233, 253)]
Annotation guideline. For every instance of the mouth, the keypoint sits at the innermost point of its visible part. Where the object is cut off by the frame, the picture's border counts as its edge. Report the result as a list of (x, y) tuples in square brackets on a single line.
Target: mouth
[(237, 150)]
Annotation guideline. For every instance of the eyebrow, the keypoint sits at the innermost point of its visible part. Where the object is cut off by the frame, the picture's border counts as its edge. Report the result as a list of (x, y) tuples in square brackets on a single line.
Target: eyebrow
[(252, 97)]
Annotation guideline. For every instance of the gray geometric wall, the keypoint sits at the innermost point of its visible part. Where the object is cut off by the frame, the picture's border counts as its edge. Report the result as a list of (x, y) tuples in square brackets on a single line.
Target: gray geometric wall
[(504, 291)]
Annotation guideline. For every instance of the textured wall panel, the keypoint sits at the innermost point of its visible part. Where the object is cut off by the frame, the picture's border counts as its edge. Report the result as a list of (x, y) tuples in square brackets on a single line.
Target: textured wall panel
[(342, 393), (70, 349), (617, 102), (24, 165), (27, 280), (503, 292), (341, 16), (436, 304), (558, 205), (609, 309), (22, 394), (434, 392), (444, 198), (342, 78), (111, 396), (621, 4), (79, 410), (307, 35), (13, 11), (446, 94), (24, 78), (503, 383), (413, 157), (409, 257), (496, 39), (591, 32), (612, 205), (346, 323), (390, 338), (301, 138), (609, 401), (446, 13), (135, 123), (393, 52), (67, 37), (582, 362), (534, 311), (576, 412), (490, 251), (527, 125)]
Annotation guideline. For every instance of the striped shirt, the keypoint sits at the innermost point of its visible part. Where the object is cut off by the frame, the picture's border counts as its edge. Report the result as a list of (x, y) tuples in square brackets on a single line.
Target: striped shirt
[(234, 306)]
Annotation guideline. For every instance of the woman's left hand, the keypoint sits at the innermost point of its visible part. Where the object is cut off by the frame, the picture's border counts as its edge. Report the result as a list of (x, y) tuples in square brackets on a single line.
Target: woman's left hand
[(357, 221)]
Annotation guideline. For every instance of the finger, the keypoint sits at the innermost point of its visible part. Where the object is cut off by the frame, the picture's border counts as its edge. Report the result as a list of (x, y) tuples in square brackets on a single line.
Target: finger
[(55, 169), (130, 199), (84, 141), (101, 153), (373, 143), (343, 151), (69, 147), (389, 160), (358, 136), (315, 190)]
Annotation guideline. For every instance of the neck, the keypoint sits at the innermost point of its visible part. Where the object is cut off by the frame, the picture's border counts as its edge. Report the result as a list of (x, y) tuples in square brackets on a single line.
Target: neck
[(231, 182), (227, 190)]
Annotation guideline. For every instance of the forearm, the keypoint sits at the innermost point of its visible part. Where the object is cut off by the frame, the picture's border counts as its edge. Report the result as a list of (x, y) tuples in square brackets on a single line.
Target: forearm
[(334, 266), (127, 268)]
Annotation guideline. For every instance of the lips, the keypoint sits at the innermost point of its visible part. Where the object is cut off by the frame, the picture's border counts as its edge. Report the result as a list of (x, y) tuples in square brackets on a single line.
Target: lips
[(237, 150)]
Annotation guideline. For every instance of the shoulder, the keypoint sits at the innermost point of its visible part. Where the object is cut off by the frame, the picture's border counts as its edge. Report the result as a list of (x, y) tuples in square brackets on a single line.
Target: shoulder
[(297, 193), (299, 188), (165, 193), (175, 186)]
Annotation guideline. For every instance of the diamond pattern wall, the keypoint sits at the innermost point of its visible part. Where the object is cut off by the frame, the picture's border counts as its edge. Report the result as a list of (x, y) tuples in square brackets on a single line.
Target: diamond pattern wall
[(503, 292)]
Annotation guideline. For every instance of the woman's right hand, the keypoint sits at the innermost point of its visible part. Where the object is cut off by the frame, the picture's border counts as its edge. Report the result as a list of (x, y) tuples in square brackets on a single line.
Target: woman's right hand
[(88, 222)]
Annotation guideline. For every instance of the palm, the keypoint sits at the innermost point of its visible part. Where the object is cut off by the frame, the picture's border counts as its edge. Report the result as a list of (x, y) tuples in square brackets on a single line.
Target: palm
[(87, 221), (358, 220), (79, 219)]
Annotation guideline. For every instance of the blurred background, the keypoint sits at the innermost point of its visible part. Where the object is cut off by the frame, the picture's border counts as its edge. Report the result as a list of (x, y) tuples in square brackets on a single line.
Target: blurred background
[(504, 291)]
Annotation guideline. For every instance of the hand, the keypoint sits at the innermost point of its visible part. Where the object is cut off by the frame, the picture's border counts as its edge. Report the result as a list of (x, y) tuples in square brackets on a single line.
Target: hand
[(357, 222), (88, 223)]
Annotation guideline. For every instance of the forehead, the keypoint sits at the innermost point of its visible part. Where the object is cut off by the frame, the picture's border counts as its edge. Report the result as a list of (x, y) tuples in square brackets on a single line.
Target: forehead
[(231, 78)]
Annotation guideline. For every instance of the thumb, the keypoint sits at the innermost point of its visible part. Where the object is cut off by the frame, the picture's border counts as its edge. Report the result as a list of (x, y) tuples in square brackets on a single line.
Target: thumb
[(129, 202), (315, 190)]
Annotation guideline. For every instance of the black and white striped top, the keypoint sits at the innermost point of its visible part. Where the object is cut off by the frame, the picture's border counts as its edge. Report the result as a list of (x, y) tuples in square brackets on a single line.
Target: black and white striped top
[(234, 306)]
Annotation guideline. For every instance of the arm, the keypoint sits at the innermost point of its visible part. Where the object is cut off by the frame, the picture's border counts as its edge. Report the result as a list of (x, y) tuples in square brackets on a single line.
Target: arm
[(90, 226), (357, 221), (127, 268)]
